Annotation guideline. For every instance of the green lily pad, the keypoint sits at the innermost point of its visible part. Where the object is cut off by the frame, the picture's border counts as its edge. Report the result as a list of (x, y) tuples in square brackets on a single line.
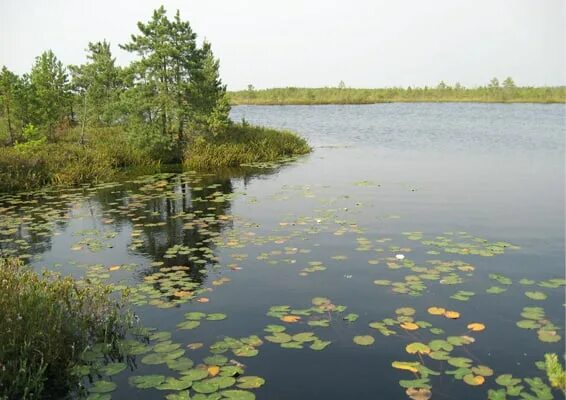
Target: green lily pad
[(231, 370), (528, 324), (246, 351), (417, 347), (166, 347), (292, 345), (238, 395), (319, 345), (223, 382), (146, 381), (364, 340), (195, 374), (351, 317), (536, 295), (274, 328), (205, 386), (195, 316), (102, 387), (250, 382), (279, 337), (460, 362), (304, 337), (113, 368), (216, 317), (176, 384), (188, 325), (180, 364), (216, 359)]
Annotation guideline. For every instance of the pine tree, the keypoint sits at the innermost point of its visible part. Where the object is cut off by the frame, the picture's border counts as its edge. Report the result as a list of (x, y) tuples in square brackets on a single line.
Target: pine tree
[(210, 102), (50, 89), (8, 87)]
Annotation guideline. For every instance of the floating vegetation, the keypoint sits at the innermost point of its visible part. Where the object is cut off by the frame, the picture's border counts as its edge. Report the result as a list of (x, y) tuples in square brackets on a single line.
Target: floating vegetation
[(197, 264), (535, 318)]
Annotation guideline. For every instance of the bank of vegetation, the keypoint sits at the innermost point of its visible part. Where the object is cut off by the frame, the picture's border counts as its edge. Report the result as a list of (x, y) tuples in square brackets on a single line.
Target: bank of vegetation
[(49, 325), (83, 123), (495, 92)]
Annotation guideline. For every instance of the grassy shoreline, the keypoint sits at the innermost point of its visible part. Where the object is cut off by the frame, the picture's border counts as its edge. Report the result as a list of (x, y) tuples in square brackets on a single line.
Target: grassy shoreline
[(326, 96), (108, 152)]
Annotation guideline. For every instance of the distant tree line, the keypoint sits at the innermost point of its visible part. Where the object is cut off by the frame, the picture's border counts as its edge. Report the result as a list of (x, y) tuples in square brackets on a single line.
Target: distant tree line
[(494, 91), (171, 90)]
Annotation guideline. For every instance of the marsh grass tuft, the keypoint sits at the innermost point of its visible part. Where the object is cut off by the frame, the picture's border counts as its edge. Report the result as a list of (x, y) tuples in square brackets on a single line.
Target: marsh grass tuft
[(48, 322), (69, 163), (243, 144)]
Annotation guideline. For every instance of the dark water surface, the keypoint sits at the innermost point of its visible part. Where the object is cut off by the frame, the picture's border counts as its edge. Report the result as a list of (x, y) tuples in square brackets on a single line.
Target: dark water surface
[(487, 179)]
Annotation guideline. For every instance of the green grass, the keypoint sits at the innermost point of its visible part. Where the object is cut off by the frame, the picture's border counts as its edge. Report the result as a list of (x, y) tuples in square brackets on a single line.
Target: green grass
[(243, 144), (48, 322), (66, 162), (292, 95)]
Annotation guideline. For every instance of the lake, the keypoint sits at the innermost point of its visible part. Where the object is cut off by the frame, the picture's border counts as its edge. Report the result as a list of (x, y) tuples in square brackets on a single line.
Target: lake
[(419, 245)]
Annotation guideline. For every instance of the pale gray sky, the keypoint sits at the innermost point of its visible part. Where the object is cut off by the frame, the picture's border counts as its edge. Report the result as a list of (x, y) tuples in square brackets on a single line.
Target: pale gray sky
[(366, 43)]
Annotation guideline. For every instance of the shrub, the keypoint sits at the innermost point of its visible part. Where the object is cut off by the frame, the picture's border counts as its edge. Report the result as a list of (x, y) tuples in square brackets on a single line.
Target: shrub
[(243, 144), (48, 322)]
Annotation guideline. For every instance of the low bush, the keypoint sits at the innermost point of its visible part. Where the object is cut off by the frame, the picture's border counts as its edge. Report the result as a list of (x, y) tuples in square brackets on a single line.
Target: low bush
[(243, 144), (31, 165), (48, 322)]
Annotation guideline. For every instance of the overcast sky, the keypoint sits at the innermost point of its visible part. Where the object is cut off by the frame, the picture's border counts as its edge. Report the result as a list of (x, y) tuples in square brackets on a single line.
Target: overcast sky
[(365, 43)]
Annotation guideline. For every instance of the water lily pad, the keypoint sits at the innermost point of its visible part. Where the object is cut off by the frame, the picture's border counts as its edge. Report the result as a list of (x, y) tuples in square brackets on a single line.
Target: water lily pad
[(188, 325), (274, 328), (176, 384), (417, 347), (238, 395), (250, 382), (180, 364), (216, 317), (196, 374), (223, 382), (304, 337), (146, 381), (364, 340), (460, 362), (279, 337), (536, 295), (246, 351), (474, 380), (351, 317), (319, 345), (216, 359), (407, 366), (292, 345), (195, 316), (113, 368), (102, 387), (205, 386)]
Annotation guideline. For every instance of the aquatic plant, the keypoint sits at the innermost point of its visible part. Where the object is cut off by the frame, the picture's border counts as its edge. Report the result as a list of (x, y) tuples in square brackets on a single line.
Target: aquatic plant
[(555, 372), (50, 324)]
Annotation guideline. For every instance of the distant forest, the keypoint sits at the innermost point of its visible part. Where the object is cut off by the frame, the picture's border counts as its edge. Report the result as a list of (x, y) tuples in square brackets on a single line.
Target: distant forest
[(494, 92)]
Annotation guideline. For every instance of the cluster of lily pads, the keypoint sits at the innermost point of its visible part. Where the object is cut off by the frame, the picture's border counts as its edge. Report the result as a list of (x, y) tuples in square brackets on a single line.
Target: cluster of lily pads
[(182, 271)]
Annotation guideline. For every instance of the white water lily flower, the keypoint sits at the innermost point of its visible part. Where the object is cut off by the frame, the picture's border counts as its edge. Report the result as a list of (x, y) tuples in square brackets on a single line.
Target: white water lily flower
[(400, 257)]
